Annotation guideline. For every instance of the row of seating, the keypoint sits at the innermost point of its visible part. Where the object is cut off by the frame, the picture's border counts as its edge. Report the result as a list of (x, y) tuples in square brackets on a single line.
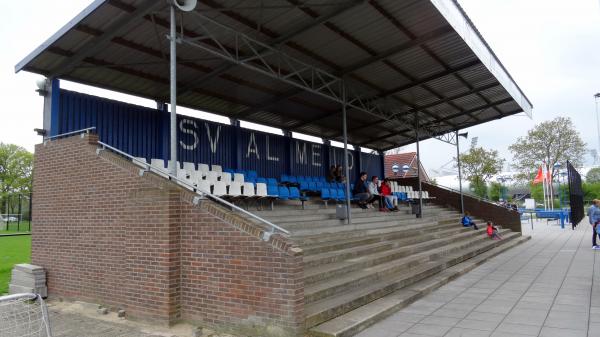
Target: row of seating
[(240, 184)]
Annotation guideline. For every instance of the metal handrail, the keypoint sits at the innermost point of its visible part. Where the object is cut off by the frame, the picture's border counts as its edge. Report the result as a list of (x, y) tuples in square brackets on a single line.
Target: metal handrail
[(201, 193), (86, 130), (457, 191)]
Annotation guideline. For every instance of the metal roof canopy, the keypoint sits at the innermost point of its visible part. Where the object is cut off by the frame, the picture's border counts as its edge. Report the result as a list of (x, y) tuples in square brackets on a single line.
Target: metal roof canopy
[(288, 64)]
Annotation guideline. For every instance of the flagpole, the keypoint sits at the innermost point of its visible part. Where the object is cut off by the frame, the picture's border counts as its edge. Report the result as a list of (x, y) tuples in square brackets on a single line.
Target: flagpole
[(544, 186)]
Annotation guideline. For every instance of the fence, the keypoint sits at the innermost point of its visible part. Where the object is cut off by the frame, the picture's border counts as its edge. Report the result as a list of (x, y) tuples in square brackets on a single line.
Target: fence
[(15, 212), (575, 195)]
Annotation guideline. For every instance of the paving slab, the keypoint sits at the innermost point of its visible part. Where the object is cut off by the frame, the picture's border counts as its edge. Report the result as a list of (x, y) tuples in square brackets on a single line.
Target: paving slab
[(548, 286)]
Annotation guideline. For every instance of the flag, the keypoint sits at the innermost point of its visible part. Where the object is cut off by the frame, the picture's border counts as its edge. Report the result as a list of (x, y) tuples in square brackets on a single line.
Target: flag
[(539, 178)]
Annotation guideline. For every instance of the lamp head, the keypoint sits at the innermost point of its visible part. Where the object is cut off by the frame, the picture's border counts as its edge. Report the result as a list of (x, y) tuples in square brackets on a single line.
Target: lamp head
[(464, 135)]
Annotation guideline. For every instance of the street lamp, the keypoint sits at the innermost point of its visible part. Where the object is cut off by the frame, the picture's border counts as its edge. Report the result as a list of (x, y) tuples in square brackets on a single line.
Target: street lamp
[(596, 98), (457, 135)]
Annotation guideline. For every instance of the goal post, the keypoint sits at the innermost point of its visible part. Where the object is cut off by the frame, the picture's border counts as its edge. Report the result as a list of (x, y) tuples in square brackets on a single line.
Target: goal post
[(24, 315)]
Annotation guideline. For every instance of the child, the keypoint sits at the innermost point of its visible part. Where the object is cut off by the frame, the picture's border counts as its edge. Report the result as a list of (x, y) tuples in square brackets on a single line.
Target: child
[(492, 231), (467, 222)]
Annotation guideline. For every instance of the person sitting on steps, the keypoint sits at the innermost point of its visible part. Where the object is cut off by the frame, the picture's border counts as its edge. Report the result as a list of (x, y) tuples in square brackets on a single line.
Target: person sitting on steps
[(468, 222), (492, 231), (361, 191), (374, 191), (390, 199)]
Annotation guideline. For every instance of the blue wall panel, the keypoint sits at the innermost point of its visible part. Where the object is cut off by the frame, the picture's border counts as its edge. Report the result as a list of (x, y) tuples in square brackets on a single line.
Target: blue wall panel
[(336, 157), (143, 132), (263, 152), (308, 158), (371, 163), (205, 142)]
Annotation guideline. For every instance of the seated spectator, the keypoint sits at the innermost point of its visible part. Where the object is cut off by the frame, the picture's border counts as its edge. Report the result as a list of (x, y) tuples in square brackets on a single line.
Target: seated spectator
[(339, 174), (492, 231), (331, 177), (374, 190), (468, 222), (361, 192), (386, 191)]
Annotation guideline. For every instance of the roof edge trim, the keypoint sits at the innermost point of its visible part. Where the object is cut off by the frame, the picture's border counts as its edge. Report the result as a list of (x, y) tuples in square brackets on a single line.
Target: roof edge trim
[(71, 24), (462, 24)]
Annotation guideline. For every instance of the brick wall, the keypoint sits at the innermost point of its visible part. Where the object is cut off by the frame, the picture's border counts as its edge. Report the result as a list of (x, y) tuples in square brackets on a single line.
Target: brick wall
[(106, 234)]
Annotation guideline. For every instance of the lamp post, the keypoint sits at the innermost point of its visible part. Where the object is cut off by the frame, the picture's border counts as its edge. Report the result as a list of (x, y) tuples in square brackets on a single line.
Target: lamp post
[(596, 98), (460, 191)]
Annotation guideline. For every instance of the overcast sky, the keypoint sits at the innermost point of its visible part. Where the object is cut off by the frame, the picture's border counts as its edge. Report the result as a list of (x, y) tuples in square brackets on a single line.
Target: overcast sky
[(550, 47)]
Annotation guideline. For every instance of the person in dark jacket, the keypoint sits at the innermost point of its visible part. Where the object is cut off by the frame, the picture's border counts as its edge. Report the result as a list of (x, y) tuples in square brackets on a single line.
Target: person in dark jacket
[(361, 191), (332, 172)]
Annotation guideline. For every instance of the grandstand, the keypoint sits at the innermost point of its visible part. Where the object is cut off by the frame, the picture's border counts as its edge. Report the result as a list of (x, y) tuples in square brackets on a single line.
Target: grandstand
[(176, 218)]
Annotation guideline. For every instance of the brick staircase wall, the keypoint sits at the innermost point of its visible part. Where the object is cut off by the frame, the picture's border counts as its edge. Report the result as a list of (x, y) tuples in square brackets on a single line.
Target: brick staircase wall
[(107, 235)]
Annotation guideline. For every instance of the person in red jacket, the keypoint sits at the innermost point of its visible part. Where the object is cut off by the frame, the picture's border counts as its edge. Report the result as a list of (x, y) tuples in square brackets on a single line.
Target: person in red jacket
[(492, 231), (386, 191)]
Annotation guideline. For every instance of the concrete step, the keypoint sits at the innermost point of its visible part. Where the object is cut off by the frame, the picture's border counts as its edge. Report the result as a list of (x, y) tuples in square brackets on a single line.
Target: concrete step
[(331, 307), (302, 223), (373, 225), (353, 322), (339, 267), (286, 211), (401, 233), (342, 276), (362, 214), (316, 238)]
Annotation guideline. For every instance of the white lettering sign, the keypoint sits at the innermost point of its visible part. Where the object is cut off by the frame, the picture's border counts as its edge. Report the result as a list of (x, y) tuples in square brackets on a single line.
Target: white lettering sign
[(213, 141), (269, 157), (185, 130), (252, 149), (316, 154)]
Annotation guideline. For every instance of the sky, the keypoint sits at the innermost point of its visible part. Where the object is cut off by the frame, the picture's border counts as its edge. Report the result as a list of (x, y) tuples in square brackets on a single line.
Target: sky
[(550, 47)]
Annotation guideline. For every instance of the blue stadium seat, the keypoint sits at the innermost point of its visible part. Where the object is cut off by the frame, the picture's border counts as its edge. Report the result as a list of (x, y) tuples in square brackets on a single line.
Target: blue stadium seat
[(341, 194), (251, 174), (295, 195), (304, 186), (261, 180), (326, 184), (285, 178), (250, 180), (323, 179), (333, 193), (301, 178), (284, 193), (272, 190), (319, 185), (271, 181), (312, 186), (293, 179), (228, 170), (325, 195)]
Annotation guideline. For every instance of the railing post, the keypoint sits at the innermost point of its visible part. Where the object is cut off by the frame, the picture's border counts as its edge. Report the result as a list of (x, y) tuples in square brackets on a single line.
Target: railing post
[(462, 204), (347, 170)]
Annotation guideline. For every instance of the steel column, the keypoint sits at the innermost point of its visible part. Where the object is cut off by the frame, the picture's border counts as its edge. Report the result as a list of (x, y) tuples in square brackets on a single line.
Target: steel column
[(173, 85), (462, 203), (346, 169), (420, 214)]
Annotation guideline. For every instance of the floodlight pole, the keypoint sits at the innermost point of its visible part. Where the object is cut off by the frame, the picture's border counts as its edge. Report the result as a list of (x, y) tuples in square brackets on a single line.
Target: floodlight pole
[(460, 191), (596, 98), (347, 170), (173, 89), (420, 214)]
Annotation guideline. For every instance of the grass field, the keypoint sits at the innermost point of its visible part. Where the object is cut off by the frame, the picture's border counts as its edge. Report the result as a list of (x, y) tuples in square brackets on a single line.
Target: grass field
[(13, 227), (13, 250)]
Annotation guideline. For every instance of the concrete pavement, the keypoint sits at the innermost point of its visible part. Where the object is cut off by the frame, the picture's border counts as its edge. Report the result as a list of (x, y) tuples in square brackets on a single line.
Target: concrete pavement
[(548, 286)]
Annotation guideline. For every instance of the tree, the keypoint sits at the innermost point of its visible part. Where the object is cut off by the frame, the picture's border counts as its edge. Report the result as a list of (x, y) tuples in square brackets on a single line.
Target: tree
[(16, 166), (552, 142), (479, 165), (593, 176)]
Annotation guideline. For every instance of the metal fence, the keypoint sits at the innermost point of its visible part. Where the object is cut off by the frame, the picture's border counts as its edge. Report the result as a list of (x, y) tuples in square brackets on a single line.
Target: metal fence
[(15, 212), (575, 195)]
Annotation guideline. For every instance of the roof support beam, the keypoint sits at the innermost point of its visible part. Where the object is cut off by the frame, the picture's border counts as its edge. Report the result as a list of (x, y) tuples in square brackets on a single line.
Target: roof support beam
[(94, 46), (433, 123), (276, 42), (277, 65)]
